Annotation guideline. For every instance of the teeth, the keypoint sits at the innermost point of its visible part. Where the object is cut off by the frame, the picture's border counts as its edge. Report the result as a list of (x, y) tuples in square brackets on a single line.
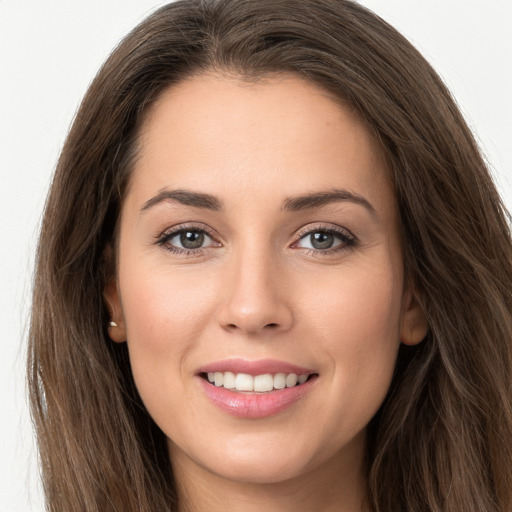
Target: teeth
[(302, 379), (280, 380), (229, 381), (291, 380), (244, 382), (259, 383), (263, 383), (218, 378)]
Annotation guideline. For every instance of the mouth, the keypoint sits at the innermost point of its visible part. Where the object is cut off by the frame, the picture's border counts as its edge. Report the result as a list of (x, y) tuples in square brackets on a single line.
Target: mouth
[(256, 384), (256, 389)]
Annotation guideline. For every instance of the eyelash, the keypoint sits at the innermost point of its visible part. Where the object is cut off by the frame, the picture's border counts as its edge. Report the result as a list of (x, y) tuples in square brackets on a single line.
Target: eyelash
[(348, 240), (164, 238)]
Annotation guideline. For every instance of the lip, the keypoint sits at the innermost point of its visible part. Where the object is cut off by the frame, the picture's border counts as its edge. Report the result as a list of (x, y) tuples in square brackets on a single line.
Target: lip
[(255, 405), (253, 368)]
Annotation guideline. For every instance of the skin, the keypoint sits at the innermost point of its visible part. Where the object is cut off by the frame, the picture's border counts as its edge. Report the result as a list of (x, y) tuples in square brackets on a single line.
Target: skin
[(257, 290)]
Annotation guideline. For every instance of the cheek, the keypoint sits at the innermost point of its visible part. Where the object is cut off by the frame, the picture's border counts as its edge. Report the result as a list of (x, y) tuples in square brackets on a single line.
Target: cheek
[(162, 301), (357, 325), (360, 305), (165, 313)]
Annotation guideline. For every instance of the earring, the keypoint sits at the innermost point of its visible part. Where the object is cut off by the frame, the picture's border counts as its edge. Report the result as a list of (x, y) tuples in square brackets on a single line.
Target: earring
[(113, 324)]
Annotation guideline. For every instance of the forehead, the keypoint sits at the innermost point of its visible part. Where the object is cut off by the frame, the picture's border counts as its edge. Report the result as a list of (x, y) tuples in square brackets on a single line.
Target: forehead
[(278, 136)]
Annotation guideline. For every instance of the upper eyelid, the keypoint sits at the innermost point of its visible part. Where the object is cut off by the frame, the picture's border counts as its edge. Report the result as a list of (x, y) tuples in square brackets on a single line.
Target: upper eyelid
[(324, 227), (168, 232)]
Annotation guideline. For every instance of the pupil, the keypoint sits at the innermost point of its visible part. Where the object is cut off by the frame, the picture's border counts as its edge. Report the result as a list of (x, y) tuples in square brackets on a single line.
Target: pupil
[(192, 239), (321, 240)]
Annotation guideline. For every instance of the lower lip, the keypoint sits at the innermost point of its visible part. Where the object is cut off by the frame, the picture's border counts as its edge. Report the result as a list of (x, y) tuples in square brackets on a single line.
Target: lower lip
[(255, 405)]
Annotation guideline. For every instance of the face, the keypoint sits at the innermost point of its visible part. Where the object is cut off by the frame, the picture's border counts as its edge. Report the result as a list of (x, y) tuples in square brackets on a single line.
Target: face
[(259, 248)]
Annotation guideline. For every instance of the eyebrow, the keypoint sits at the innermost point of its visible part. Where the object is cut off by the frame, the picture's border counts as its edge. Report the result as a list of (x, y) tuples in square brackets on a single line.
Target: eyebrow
[(298, 203), (319, 199), (185, 197)]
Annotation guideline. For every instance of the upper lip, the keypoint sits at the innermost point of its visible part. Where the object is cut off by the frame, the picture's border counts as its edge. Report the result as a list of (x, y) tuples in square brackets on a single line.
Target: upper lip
[(258, 367)]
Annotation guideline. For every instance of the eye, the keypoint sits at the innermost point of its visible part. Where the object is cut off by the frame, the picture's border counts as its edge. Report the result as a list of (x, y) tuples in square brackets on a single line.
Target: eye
[(325, 240), (186, 240), (190, 239)]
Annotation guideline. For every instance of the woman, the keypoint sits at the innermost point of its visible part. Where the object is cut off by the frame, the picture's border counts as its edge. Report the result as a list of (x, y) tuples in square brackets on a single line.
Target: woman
[(273, 274)]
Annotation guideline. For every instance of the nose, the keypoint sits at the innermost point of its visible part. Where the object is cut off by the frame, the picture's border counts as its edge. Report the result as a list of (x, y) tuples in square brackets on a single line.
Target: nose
[(255, 298)]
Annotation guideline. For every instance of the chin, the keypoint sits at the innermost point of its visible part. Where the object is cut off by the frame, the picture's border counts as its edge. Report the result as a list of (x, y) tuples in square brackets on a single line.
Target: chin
[(273, 458), (250, 458), (260, 470)]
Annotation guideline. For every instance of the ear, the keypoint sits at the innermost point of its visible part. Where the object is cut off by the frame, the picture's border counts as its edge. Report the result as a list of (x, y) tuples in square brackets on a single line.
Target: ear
[(116, 327), (413, 325)]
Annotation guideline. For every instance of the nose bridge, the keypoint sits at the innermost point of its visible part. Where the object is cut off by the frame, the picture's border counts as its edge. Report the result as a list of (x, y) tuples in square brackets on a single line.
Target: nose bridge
[(256, 298)]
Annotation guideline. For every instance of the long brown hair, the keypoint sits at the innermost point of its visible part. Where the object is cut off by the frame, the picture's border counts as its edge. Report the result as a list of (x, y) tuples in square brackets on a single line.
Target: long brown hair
[(442, 440)]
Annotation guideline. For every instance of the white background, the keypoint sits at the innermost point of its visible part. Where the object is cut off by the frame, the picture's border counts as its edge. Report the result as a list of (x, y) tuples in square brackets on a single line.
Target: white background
[(49, 52)]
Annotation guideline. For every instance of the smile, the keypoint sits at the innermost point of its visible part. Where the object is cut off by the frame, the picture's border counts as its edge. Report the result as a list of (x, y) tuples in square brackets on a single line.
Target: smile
[(255, 389), (265, 383)]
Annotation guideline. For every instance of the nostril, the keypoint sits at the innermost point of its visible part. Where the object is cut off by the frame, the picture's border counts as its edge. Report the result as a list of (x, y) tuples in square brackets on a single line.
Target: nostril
[(272, 326)]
